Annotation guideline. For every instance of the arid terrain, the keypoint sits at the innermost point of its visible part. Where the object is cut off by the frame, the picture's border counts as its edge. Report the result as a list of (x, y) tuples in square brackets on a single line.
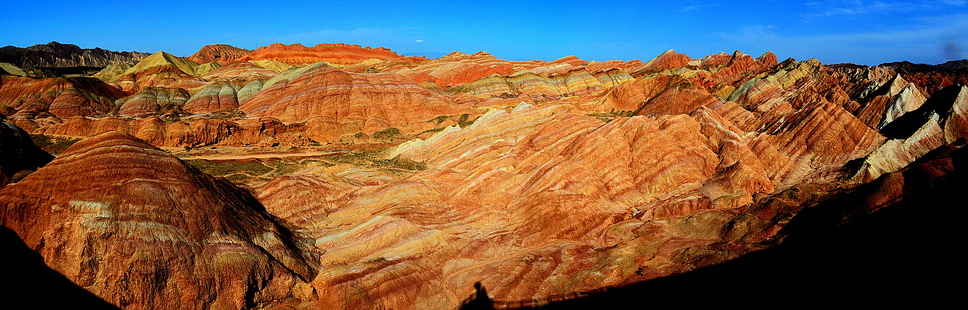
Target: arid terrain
[(338, 176)]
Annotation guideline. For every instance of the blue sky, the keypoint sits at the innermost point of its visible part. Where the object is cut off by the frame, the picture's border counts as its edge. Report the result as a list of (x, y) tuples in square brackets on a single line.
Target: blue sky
[(862, 32)]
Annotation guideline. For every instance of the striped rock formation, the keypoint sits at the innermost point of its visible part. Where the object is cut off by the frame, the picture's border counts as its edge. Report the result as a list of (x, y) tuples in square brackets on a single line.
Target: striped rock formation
[(143, 230), (367, 102), (23, 97)]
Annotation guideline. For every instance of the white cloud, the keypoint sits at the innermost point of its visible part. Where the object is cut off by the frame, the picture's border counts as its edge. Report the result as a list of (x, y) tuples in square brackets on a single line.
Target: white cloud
[(419, 41)]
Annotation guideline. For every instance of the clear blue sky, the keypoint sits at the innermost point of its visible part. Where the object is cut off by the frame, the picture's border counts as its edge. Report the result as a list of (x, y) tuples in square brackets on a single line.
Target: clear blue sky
[(863, 32)]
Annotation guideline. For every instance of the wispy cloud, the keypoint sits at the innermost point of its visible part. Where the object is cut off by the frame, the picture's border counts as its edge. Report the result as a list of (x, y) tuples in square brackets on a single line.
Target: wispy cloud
[(929, 41), (698, 6), (854, 7)]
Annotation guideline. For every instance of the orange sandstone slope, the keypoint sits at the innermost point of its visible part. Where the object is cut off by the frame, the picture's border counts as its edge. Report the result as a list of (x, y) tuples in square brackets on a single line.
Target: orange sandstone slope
[(143, 230)]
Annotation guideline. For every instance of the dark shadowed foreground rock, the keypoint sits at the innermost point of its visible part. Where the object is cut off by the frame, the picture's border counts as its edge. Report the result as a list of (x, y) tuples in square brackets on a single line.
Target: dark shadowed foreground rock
[(143, 230), (18, 155)]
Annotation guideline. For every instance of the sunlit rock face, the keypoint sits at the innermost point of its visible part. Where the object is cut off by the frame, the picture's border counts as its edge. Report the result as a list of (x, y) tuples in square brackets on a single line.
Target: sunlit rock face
[(141, 229)]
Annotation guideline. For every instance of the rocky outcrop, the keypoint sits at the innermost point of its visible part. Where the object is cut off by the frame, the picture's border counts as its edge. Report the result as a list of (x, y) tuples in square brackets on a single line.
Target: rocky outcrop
[(220, 53), (55, 54), (143, 230)]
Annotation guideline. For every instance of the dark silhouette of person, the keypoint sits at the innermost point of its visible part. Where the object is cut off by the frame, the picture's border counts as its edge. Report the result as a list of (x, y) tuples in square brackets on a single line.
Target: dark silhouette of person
[(481, 300)]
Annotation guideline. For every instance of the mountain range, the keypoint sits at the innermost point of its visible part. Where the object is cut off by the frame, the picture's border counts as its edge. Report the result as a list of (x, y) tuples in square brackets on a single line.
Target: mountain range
[(342, 176)]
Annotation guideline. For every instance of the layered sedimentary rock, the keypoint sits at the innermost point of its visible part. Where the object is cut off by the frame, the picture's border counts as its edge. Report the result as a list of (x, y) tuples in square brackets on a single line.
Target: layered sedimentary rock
[(218, 97), (668, 60), (22, 97), (537, 87), (370, 102), (141, 229), (340, 54), (55, 54), (613, 189), (660, 94), (154, 101), (220, 53)]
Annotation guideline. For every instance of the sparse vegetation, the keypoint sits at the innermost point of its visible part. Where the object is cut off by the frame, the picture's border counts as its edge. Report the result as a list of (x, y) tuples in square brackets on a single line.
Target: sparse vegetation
[(388, 134), (465, 120), (225, 168), (611, 115), (457, 89), (52, 144)]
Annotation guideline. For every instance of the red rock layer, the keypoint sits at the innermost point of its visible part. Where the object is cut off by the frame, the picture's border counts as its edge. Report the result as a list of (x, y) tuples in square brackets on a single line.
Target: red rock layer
[(341, 54), (143, 230), (221, 53)]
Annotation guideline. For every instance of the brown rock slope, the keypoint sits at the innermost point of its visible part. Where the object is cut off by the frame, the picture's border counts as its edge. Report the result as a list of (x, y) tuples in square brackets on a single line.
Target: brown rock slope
[(143, 230)]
